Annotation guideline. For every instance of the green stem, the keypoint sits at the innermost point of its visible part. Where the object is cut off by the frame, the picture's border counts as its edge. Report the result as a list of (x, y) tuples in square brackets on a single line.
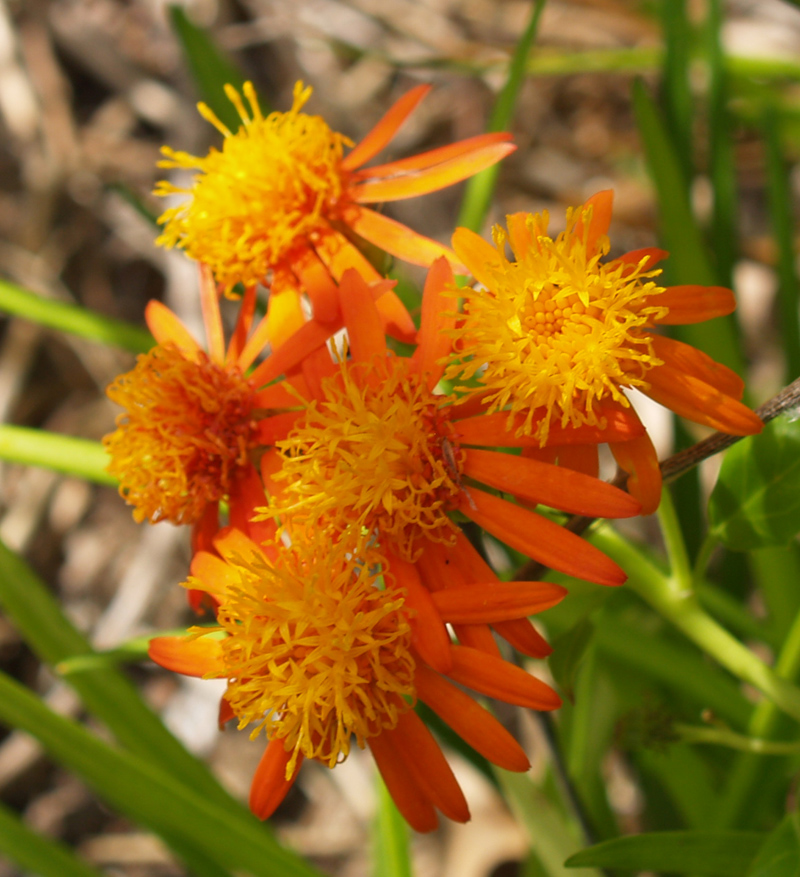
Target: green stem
[(63, 453), (682, 577), (726, 737), (73, 319)]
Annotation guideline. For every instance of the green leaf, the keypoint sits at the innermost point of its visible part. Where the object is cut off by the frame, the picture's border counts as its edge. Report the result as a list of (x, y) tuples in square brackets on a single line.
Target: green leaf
[(569, 650), (391, 853), (780, 854), (63, 453), (72, 318), (716, 853), (210, 69), (38, 854), (756, 500)]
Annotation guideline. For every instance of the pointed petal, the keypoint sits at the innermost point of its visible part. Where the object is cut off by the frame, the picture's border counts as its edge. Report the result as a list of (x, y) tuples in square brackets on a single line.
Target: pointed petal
[(311, 336), (580, 458), (432, 157), (361, 319), (480, 257), (385, 130), (432, 179), (225, 713), (247, 496), (486, 603), (233, 544), (431, 770), (477, 636), (215, 576), (696, 400), (276, 427), (316, 280), (402, 784), (188, 655), (689, 360), (204, 530), (212, 319), (438, 317), (554, 486), (521, 635), (522, 228), (693, 304), (276, 396), (652, 255), (639, 459), (602, 206), (497, 678), (244, 322), (540, 538), (399, 240), (470, 721), (270, 786), (168, 329)]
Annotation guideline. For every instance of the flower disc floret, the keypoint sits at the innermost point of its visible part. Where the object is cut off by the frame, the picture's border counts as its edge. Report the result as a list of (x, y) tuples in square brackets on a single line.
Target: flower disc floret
[(557, 328), (186, 430), (271, 184), (318, 648), (377, 453)]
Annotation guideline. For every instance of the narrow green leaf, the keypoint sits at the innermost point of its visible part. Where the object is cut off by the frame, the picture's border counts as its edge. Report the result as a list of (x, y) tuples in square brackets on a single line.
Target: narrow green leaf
[(716, 853), (480, 188), (149, 795), (676, 92), (51, 450), (756, 500), (73, 319), (569, 650), (391, 854), (780, 854), (37, 854), (210, 69)]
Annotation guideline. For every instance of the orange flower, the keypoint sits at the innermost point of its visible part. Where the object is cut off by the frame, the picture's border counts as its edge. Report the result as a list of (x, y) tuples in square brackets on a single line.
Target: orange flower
[(318, 643), (556, 336), (378, 449), (280, 198)]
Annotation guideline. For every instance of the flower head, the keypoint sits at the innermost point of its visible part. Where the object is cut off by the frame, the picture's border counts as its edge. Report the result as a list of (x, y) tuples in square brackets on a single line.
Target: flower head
[(552, 334)]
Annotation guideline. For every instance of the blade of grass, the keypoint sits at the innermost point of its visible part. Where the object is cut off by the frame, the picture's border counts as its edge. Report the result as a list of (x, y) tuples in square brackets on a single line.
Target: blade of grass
[(36, 853), (73, 319), (63, 453), (391, 854), (147, 794), (677, 97), (480, 189)]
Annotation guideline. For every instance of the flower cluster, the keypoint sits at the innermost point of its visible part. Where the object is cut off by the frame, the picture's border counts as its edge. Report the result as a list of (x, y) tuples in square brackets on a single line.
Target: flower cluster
[(331, 482)]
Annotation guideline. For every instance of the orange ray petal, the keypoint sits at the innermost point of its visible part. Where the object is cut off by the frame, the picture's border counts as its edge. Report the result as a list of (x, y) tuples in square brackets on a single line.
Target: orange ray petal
[(436, 569), (244, 322), (276, 427), (232, 543), (421, 752), (477, 636), (187, 655), (385, 130), (496, 678), (361, 319), (225, 713), (402, 784), (428, 633), (489, 602), (310, 337), (438, 317), (204, 531), (432, 179), (432, 157), (693, 304), (480, 257), (247, 495), (399, 240), (602, 205), (317, 282), (696, 400), (168, 329), (639, 459), (212, 319), (519, 235), (653, 255), (554, 486), (540, 538), (214, 574), (269, 786), (689, 360), (579, 458), (521, 635), (470, 721), (276, 395)]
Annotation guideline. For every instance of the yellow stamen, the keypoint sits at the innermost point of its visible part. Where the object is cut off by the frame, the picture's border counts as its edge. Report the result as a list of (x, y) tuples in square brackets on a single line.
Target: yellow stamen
[(558, 329), (253, 201), (377, 453), (187, 428)]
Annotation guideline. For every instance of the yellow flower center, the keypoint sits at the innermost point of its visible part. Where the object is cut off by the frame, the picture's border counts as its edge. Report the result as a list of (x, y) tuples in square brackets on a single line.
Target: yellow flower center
[(558, 329), (377, 453), (187, 428), (274, 182), (316, 651)]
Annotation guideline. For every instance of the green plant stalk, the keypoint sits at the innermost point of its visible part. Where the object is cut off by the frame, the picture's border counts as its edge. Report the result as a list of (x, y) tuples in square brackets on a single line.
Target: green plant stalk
[(671, 599), (681, 567), (480, 188), (391, 850), (677, 98), (728, 610), (725, 737), (148, 794), (73, 319), (79, 457)]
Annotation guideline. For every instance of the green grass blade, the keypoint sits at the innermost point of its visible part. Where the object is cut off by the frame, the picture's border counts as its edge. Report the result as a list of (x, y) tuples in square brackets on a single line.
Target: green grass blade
[(391, 855), (149, 795), (480, 189), (210, 69), (72, 318), (677, 96), (779, 194), (37, 854), (51, 450)]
